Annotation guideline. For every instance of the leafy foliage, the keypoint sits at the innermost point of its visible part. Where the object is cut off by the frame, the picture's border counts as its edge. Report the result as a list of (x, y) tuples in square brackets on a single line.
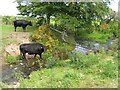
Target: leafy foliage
[(74, 17), (84, 13), (44, 35)]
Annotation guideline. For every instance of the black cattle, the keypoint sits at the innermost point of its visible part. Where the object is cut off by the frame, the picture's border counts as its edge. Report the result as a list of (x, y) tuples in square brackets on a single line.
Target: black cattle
[(21, 23), (32, 48)]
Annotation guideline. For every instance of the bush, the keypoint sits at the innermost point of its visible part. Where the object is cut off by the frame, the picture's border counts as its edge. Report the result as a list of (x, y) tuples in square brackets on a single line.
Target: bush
[(50, 39), (45, 36)]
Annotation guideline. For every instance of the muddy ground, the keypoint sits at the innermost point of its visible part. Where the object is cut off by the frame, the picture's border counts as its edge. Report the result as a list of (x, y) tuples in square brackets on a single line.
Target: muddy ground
[(8, 71)]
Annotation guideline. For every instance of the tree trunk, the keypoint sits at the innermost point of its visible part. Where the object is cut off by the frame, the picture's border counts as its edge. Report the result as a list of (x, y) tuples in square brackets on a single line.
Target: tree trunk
[(48, 19)]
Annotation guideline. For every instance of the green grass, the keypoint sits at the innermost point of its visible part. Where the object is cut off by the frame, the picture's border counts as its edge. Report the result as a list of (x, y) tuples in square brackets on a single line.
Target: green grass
[(12, 59), (97, 36), (6, 30), (78, 71), (91, 71)]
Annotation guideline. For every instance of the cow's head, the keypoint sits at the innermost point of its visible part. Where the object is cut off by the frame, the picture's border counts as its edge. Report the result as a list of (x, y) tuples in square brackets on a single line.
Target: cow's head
[(45, 48), (30, 23)]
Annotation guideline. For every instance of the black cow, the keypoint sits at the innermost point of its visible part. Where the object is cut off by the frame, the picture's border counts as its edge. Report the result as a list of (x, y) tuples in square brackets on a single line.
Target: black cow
[(22, 23), (32, 48)]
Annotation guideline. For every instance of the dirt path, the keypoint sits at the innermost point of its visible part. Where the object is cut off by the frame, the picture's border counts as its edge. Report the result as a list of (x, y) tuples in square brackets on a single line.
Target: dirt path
[(7, 71), (19, 38)]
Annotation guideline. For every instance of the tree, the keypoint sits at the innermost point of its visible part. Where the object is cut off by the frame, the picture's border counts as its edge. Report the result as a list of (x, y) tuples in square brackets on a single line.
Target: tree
[(40, 9), (70, 14)]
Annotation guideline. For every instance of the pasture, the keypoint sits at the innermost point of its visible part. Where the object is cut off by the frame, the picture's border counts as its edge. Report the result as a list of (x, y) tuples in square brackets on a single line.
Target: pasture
[(76, 71)]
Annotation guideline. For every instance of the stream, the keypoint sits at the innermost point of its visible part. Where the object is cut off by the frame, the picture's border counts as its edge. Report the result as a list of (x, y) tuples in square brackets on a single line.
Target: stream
[(86, 47), (9, 71)]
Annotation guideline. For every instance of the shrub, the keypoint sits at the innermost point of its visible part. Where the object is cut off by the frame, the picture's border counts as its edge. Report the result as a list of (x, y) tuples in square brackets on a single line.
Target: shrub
[(50, 38), (45, 36)]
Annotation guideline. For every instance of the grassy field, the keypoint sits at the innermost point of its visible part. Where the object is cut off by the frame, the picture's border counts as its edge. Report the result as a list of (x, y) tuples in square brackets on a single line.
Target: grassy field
[(78, 71), (92, 71), (6, 30)]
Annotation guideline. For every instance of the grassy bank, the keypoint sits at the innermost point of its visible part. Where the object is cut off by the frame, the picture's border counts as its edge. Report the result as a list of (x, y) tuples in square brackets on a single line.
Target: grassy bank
[(71, 70), (92, 71)]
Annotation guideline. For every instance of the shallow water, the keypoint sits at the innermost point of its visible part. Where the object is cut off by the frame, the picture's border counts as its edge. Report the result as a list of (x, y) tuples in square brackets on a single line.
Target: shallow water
[(86, 47)]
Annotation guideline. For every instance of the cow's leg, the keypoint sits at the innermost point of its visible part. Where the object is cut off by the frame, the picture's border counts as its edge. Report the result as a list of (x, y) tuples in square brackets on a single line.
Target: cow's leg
[(25, 60), (15, 29), (35, 56), (40, 57), (24, 29), (24, 56)]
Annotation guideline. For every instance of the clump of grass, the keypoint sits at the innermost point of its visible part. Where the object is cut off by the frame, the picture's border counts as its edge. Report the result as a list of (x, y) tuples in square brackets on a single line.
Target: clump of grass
[(12, 59)]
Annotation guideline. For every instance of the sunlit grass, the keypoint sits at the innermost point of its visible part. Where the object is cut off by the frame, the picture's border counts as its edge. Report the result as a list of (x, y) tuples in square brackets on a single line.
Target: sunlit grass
[(97, 36)]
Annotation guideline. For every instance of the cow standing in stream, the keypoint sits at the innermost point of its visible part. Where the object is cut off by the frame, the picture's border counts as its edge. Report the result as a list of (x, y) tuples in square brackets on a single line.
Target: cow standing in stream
[(21, 23)]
